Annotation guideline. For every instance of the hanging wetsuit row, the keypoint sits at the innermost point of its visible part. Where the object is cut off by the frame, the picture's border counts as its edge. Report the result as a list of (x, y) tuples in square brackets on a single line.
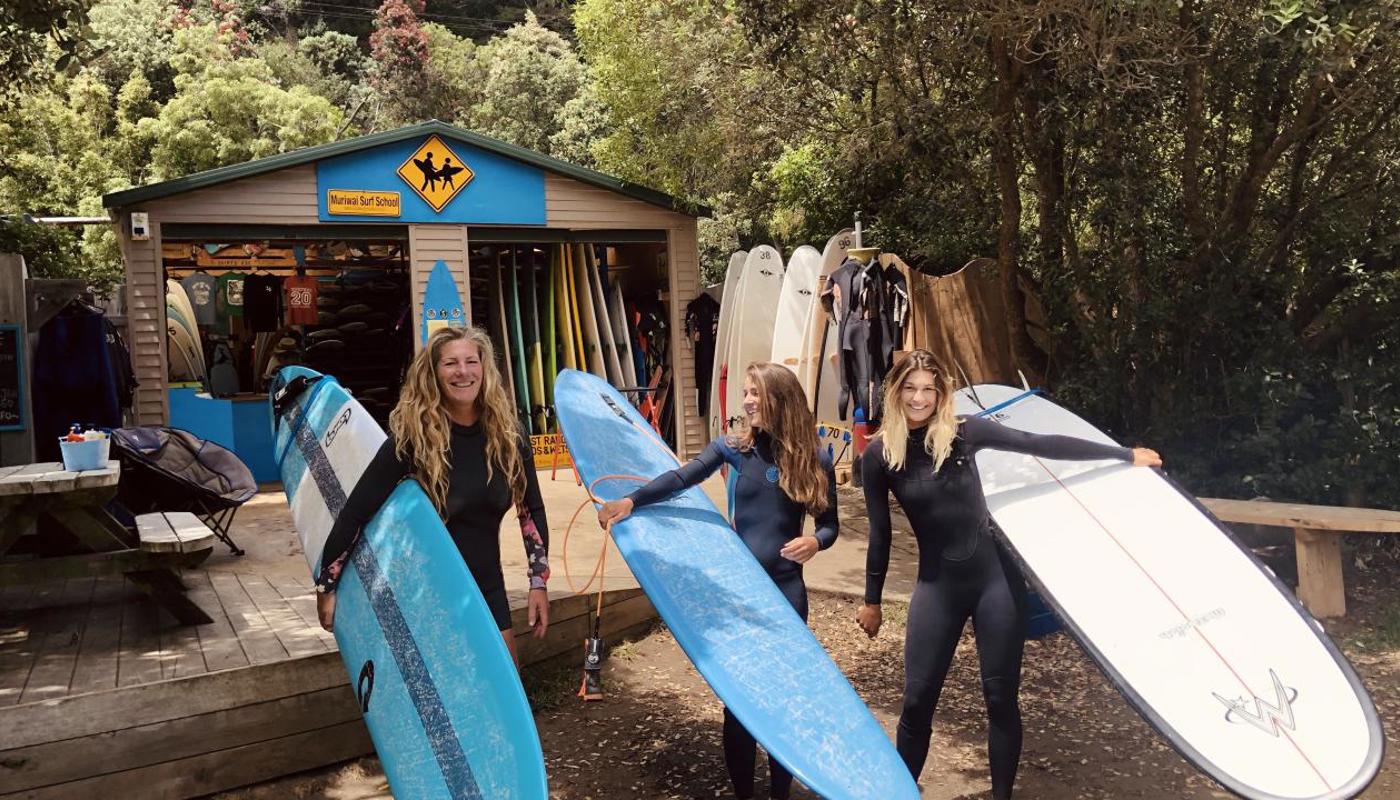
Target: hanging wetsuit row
[(870, 304)]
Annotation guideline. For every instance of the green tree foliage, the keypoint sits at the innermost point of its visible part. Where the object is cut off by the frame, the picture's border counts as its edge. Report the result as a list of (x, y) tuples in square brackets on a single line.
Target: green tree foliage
[(529, 75), (134, 36), (453, 76), (227, 110), (28, 29), (693, 112), (1201, 195)]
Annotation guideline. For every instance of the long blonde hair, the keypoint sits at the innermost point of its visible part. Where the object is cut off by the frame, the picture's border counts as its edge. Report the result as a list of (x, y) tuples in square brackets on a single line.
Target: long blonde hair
[(942, 426), (783, 408), (422, 430)]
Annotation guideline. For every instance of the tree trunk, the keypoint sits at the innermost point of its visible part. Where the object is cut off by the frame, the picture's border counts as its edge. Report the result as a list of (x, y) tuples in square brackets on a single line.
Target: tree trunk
[(1024, 354)]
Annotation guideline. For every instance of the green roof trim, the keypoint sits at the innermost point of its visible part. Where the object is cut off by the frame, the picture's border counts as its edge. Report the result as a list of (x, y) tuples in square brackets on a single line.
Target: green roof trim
[(307, 155)]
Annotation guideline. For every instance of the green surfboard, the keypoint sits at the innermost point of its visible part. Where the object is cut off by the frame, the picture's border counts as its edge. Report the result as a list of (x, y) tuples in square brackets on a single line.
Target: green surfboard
[(531, 323)]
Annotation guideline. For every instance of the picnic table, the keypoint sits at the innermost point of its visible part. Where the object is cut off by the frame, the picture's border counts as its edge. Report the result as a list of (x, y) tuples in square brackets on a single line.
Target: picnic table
[(101, 545)]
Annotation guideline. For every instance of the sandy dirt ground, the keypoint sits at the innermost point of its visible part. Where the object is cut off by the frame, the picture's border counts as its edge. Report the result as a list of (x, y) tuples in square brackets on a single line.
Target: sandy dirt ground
[(657, 733)]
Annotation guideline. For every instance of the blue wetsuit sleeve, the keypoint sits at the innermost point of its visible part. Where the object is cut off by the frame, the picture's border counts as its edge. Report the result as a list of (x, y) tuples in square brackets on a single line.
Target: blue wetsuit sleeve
[(877, 509), (376, 483), (667, 484), (828, 524), (534, 526), (981, 434)]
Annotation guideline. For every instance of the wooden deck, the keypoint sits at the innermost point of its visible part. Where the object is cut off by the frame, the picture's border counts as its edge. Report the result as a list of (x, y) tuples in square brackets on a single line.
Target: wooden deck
[(93, 634), (104, 695)]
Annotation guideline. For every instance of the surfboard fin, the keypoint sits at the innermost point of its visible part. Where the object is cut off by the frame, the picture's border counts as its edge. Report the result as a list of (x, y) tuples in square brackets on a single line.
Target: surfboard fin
[(970, 390)]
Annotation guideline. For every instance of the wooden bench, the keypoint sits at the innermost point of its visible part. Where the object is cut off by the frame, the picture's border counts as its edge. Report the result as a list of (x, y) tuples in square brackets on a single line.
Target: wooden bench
[(169, 540), (173, 532), (1317, 541)]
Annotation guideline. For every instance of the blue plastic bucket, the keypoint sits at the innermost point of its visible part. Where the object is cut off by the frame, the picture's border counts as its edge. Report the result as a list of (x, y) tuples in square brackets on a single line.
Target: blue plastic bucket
[(79, 456)]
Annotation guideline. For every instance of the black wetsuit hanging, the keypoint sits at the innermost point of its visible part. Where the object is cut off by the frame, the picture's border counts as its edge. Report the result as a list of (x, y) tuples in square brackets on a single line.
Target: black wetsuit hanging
[(702, 327), (475, 507), (845, 296), (963, 572), (765, 519), (893, 314)]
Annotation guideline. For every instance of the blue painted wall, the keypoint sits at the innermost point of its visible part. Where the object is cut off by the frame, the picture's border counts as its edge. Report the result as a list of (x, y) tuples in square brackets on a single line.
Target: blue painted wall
[(502, 192), (243, 426)]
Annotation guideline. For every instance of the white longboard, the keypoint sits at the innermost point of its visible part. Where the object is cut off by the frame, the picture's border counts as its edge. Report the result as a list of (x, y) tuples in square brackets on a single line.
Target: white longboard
[(756, 310), (820, 370), (728, 305), (796, 300), (1196, 634)]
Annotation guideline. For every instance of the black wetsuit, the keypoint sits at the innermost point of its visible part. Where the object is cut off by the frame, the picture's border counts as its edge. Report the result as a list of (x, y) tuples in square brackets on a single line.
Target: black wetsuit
[(765, 519), (963, 572), (475, 508)]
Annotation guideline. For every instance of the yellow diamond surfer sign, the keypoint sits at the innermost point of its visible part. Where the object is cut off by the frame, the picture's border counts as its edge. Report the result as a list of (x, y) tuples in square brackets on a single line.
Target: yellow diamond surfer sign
[(435, 173)]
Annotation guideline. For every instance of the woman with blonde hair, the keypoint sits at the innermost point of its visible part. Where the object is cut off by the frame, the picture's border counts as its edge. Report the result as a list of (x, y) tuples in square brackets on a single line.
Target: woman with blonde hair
[(924, 456), (782, 476), (456, 431)]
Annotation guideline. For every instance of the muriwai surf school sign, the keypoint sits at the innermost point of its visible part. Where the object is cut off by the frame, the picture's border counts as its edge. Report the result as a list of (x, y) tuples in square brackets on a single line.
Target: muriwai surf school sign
[(429, 179)]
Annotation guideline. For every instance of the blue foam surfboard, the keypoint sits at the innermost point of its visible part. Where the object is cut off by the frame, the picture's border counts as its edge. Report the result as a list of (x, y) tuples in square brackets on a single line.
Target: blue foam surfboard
[(439, 691), (442, 303), (725, 612)]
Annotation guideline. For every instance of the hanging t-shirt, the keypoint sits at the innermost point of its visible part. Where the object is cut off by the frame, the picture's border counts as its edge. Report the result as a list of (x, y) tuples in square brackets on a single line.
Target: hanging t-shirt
[(203, 289), (702, 327), (261, 294), (301, 300), (231, 293)]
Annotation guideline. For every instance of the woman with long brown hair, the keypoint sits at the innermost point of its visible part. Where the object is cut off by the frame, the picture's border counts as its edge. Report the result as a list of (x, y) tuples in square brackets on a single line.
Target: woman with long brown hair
[(782, 476), (456, 431), (924, 456)]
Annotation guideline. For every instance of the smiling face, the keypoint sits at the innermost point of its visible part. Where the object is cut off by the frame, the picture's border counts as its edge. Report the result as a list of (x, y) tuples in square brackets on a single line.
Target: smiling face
[(753, 401), (919, 396), (459, 373)]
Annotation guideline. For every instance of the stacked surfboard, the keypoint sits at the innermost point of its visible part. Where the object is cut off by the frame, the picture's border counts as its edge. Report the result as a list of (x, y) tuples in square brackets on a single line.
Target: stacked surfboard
[(773, 313), (556, 309), (186, 351)]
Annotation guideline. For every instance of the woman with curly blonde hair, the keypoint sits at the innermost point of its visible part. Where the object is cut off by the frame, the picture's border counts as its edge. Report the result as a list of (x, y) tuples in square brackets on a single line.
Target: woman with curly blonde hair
[(782, 477), (456, 431)]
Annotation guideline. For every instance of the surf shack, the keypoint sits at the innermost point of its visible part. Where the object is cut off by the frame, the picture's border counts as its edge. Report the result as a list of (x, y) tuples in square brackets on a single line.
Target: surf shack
[(322, 257)]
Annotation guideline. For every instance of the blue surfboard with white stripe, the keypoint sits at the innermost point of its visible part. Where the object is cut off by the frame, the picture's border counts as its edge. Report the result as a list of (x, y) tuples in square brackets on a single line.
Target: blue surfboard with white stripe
[(439, 691), (728, 616)]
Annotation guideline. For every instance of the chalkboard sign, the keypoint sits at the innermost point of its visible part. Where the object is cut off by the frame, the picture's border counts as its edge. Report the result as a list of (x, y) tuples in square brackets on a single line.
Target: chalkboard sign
[(11, 378)]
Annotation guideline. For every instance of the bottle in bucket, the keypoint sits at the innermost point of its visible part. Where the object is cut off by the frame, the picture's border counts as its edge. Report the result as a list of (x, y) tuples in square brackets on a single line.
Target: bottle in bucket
[(84, 450)]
